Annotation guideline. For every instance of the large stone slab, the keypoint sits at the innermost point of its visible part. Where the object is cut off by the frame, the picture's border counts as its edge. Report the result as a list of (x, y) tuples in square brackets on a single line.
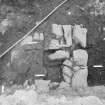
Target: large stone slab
[(80, 56), (79, 35)]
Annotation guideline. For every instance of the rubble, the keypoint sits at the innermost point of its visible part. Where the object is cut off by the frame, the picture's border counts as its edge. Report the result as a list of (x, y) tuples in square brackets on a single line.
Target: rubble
[(68, 62), (80, 57), (54, 44), (67, 74), (42, 86), (76, 68), (79, 80), (67, 71)]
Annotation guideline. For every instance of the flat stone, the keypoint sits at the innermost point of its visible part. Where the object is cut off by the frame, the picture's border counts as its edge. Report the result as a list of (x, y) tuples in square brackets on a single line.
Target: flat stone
[(79, 79), (48, 62), (57, 30), (33, 46), (60, 54)]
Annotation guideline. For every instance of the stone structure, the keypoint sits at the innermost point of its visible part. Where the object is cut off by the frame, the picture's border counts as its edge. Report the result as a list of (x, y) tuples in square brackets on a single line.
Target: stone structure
[(60, 61), (75, 60)]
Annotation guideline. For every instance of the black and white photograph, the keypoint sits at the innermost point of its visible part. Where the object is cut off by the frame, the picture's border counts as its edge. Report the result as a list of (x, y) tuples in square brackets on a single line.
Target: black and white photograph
[(52, 52)]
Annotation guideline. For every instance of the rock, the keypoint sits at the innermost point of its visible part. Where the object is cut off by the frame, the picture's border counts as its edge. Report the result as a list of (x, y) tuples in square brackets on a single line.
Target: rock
[(67, 74), (54, 44), (67, 79), (47, 62), (79, 80), (76, 68), (26, 41), (80, 57), (67, 71), (57, 30), (68, 63), (68, 34), (60, 54), (79, 35), (42, 85)]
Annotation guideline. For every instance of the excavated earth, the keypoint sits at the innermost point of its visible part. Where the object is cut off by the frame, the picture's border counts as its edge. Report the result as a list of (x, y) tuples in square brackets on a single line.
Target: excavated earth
[(23, 15)]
